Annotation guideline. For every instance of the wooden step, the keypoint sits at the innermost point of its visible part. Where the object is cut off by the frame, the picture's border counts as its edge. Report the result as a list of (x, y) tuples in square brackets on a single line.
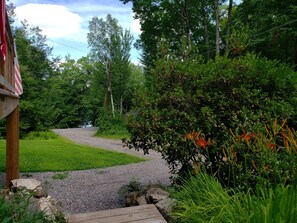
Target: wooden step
[(139, 214)]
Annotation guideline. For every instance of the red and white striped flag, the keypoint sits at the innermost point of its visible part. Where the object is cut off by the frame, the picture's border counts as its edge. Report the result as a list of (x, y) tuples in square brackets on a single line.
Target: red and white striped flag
[(17, 75), (3, 29)]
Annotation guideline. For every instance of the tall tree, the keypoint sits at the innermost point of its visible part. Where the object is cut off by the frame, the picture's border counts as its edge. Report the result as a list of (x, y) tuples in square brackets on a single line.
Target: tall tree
[(36, 71), (110, 45), (174, 21), (272, 26), (216, 7), (69, 93), (229, 21)]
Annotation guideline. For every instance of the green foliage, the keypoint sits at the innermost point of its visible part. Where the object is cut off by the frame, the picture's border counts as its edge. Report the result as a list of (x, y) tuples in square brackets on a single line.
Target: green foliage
[(202, 199), (62, 155), (132, 186), (261, 159), (17, 209), (241, 94), (110, 46), (273, 205), (72, 102), (272, 28), (36, 70), (41, 135), (173, 21), (109, 124), (250, 160)]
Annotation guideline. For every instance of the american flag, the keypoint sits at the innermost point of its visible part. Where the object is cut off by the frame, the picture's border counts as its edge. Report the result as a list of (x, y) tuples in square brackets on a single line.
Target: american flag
[(17, 75), (2, 29)]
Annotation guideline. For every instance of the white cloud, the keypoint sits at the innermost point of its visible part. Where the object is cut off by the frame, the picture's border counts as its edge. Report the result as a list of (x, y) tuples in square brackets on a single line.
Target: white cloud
[(65, 23), (135, 26), (97, 8), (56, 21)]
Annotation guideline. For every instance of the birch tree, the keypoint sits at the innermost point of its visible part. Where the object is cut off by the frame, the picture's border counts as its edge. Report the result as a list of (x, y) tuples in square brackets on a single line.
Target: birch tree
[(110, 45)]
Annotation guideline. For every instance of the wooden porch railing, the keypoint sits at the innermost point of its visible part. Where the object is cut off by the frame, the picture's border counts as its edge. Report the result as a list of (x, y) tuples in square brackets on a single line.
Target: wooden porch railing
[(9, 108)]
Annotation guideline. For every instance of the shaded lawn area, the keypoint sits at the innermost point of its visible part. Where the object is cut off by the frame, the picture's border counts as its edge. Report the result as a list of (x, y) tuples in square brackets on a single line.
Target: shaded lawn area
[(62, 155)]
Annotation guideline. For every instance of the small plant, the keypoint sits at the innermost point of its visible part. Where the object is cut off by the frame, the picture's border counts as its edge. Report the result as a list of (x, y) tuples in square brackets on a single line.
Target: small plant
[(133, 186), (17, 208), (60, 176)]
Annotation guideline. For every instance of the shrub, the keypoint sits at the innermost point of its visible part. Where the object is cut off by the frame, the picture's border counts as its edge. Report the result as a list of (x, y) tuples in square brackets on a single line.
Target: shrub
[(132, 186), (260, 159), (18, 208), (242, 94), (41, 135), (201, 198), (109, 124), (250, 160)]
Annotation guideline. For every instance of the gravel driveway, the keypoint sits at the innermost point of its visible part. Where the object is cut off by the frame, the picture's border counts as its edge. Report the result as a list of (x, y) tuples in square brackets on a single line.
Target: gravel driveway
[(97, 189)]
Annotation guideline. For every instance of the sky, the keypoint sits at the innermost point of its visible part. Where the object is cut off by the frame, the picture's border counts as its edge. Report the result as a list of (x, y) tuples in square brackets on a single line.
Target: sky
[(65, 23)]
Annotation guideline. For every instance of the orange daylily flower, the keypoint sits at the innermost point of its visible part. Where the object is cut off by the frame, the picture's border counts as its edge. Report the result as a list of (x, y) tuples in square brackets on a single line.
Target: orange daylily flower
[(202, 142), (189, 136), (246, 136), (271, 146), (192, 136)]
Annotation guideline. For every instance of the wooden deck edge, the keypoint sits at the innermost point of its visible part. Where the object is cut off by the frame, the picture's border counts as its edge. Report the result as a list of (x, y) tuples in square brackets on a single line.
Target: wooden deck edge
[(142, 214)]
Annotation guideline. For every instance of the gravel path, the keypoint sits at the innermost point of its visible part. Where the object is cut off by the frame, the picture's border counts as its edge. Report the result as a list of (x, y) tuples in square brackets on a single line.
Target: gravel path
[(96, 189)]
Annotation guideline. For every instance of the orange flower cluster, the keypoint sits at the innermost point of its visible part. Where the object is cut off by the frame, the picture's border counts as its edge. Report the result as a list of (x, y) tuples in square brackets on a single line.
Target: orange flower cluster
[(197, 139), (247, 136)]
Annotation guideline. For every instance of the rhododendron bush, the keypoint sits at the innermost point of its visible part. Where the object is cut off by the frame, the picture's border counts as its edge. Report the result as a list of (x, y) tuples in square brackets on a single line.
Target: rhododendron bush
[(216, 114)]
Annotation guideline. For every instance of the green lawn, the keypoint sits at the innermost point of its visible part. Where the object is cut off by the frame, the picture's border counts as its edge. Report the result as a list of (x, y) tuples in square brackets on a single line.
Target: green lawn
[(62, 155)]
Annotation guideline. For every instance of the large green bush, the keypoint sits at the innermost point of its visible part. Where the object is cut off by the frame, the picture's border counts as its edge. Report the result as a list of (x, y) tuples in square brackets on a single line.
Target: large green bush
[(241, 94), (110, 125)]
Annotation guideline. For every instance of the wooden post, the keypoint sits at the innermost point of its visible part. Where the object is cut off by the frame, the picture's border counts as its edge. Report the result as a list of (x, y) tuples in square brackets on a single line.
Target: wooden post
[(12, 146)]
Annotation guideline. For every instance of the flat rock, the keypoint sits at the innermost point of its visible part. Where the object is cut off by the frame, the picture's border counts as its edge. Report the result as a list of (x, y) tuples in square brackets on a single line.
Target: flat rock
[(31, 185), (156, 194), (141, 200)]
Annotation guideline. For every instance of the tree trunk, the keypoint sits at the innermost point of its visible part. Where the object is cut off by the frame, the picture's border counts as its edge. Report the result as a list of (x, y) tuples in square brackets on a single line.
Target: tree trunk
[(216, 5), (112, 104), (121, 105), (107, 85), (295, 53), (229, 21), (206, 35)]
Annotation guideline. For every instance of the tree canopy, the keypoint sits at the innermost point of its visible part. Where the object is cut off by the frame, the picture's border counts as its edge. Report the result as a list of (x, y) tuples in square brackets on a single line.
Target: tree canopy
[(63, 92)]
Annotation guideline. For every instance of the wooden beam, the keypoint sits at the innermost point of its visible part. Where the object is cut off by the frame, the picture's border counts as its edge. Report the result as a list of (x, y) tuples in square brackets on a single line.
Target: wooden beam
[(12, 146), (5, 84), (7, 105)]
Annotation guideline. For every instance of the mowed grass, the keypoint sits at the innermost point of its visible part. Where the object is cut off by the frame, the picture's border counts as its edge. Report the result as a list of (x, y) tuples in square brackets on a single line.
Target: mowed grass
[(62, 155)]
